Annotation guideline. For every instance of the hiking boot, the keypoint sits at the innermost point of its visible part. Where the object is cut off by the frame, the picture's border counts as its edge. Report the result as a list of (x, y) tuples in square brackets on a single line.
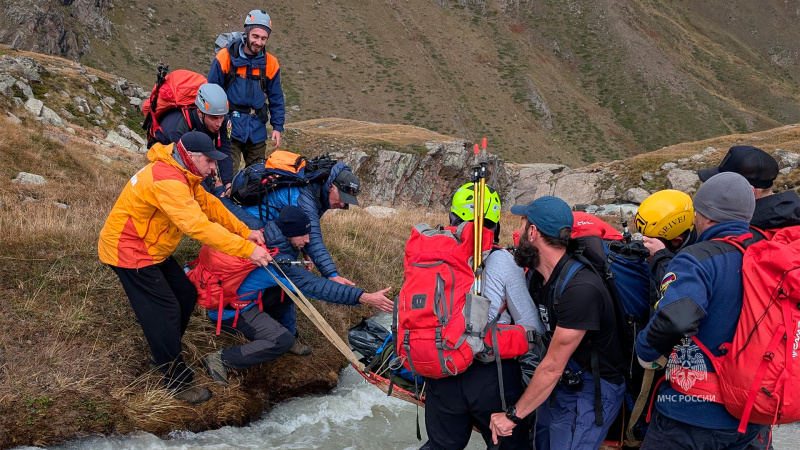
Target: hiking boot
[(216, 368), (300, 349), (194, 394)]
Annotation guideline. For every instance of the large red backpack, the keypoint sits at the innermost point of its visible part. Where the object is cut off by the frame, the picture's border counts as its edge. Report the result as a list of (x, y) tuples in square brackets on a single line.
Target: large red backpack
[(756, 377), (439, 326), (217, 276), (177, 89)]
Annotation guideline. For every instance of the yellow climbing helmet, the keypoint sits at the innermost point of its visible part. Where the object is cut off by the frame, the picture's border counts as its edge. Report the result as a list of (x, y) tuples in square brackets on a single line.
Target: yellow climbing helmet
[(463, 203), (666, 214)]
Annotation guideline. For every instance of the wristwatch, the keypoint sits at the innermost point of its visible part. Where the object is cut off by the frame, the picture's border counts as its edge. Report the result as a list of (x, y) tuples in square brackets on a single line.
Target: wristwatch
[(511, 414)]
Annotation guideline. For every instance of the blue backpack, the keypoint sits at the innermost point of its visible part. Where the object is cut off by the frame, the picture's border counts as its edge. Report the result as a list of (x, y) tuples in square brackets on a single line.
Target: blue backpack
[(624, 270)]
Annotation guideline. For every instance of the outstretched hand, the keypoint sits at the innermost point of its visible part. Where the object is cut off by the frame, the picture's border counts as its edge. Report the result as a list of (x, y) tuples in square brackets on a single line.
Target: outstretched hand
[(378, 300), (342, 280)]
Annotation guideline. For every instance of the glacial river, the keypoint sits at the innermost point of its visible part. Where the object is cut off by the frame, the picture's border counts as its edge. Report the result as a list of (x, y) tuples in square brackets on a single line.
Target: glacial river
[(355, 415)]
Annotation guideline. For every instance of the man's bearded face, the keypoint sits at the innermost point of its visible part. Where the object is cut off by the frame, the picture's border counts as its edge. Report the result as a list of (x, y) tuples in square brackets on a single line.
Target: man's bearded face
[(526, 255)]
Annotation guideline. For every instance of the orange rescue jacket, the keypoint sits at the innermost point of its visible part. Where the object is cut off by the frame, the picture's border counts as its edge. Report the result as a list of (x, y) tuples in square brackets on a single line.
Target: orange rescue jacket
[(160, 204)]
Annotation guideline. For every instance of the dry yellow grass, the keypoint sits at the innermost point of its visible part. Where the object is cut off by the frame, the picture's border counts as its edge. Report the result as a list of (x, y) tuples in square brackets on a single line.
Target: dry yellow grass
[(73, 359), (347, 129)]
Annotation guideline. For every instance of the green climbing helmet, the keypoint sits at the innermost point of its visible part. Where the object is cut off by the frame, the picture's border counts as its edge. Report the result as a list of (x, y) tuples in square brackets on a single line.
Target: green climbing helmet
[(463, 203)]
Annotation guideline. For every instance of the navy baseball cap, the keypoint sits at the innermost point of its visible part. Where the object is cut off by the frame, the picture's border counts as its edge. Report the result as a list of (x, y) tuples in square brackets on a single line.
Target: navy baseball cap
[(549, 214), (198, 142), (755, 165)]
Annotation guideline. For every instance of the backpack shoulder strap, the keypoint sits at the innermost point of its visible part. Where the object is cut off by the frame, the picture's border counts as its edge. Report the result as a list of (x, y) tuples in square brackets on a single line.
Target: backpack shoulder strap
[(186, 110), (228, 80), (228, 68), (570, 268), (575, 263), (740, 242), (758, 233)]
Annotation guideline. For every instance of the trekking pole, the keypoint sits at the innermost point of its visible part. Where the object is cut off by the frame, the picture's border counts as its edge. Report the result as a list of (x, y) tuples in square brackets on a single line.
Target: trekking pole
[(479, 185), (482, 198), (475, 208), (295, 263)]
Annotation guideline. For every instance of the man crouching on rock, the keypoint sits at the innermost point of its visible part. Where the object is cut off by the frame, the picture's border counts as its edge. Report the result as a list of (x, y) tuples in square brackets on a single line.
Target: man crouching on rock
[(158, 205)]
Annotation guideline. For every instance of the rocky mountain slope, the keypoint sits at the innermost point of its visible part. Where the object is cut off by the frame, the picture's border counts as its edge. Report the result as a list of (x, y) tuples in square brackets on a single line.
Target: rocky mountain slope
[(568, 82), (74, 361), (401, 165)]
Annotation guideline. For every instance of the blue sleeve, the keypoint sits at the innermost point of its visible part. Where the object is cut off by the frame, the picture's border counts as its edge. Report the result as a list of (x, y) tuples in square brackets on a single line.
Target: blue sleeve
[(251, 221), (277, 108), (226, 165), (275, 239), (680, 310), (321, 288), (315, 248), (215, 74)]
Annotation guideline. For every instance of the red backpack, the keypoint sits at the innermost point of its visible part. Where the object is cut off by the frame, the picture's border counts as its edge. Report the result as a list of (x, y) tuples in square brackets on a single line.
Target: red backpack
[(174, 90), (585, 224), (439, 326), (217, 276), (756, 378)]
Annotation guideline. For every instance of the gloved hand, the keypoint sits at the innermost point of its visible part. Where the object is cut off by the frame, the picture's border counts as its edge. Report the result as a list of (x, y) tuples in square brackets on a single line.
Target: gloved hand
[(660, 363)]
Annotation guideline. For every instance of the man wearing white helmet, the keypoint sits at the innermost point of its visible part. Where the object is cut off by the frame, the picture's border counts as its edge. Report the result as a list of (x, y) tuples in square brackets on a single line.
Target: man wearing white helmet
[(251, 77), (209, 116)]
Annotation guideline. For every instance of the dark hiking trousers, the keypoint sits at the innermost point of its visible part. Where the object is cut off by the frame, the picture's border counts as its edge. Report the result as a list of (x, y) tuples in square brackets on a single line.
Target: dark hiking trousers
[(453, 405), (665, 433), (249, 151), (163, 299), (268, 339), (760, 442)]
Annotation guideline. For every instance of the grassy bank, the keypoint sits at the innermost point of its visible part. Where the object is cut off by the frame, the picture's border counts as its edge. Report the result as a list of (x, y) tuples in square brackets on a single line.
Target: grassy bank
[(73, 360)]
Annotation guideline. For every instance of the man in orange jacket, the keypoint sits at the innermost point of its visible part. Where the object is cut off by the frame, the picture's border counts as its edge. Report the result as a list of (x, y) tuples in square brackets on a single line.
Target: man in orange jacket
[(161, 203)]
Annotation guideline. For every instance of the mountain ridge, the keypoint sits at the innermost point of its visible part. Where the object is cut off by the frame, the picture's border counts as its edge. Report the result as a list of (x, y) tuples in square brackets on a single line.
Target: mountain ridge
[(547, 81), (74, 359)]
